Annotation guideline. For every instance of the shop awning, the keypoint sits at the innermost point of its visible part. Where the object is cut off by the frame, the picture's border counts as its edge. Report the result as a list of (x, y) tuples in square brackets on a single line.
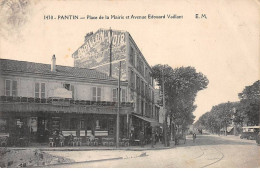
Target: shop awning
[(152, 121), (229, 128)]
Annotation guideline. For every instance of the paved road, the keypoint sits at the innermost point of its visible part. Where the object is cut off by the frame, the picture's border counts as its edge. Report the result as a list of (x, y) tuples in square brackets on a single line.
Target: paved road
[(207, 151)]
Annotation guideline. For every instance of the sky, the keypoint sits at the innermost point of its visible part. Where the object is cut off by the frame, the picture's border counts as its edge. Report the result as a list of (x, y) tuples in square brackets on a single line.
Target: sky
[(224, 47)]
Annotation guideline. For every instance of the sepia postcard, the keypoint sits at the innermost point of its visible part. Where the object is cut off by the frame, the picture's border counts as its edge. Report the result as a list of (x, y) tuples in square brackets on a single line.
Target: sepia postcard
[(129, 84)]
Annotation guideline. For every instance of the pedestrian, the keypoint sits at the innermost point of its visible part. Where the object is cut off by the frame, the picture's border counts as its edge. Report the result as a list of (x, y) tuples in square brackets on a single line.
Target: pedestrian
[(153, 139), (160, 137), (142, 138), (194, 137)]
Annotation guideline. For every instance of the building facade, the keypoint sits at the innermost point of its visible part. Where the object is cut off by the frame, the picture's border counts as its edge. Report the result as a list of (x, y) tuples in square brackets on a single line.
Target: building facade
[(40, 99), (104, 50)]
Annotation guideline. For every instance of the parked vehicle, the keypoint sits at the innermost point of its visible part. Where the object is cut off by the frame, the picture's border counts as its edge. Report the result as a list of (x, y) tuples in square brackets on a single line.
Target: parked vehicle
[(250, 132)]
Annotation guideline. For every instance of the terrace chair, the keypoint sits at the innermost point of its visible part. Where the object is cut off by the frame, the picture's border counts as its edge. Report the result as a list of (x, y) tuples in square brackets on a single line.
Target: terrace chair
[(51, 142), (95, 142), (3, 141), (121, 142), (105, 142), (126, 142), (72, 141), (88, 141), (111, 142), (61, 141), (78, 141)]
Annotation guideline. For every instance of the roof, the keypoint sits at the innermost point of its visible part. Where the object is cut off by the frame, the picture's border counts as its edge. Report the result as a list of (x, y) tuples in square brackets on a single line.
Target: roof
[(45, 69)]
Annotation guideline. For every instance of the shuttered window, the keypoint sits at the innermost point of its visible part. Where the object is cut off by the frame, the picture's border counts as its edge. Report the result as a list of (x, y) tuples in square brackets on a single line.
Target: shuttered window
[(96, 92), (39, 90)]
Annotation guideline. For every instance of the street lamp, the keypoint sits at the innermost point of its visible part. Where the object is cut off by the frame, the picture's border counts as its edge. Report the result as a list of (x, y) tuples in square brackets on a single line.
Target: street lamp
[(118, 108)]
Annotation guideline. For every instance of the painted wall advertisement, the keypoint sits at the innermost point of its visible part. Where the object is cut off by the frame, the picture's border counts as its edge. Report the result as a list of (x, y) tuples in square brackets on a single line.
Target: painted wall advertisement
[(95, 52)]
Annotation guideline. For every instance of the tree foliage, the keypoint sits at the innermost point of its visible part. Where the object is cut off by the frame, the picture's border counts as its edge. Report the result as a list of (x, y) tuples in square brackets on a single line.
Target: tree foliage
[(218, 117), (244, 112), (181, 87), (249, 108)]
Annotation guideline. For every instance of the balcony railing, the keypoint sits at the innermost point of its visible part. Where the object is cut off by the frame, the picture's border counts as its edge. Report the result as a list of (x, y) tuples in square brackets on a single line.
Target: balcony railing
[(65, 101)]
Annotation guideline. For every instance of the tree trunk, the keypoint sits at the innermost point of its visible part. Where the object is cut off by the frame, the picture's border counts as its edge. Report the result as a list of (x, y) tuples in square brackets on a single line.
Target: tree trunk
[(171, 128)]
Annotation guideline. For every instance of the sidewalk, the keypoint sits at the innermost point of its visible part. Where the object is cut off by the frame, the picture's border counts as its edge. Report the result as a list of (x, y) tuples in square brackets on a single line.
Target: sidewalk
[(42, 155), (158, 146)]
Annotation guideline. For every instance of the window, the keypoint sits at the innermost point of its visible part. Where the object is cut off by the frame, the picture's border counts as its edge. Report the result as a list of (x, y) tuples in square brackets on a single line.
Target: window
[(66, 86), (39, 90), (82, 126), (96, 93), (131, 56), (3, 125), (123, 95), (132, 79), (141, 67), (73, 123), (142, 87), (114, 95), (137, 84), (42, 90), (70, 88), (10, 88)]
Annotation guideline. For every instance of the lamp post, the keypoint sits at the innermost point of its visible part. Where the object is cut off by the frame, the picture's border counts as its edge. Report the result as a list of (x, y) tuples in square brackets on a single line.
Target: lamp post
[(118, 108), (164, 112)]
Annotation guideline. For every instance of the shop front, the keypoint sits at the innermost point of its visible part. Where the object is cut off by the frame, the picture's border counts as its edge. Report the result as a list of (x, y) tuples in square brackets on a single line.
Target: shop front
[(36, 123), (142, 125)]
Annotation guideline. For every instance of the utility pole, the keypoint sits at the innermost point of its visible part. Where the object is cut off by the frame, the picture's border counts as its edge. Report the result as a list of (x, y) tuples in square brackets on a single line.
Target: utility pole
[(110, 53), (164, 112), (118, 108)]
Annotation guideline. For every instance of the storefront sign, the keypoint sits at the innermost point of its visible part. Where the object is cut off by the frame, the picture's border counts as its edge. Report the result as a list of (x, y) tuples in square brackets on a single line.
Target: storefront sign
[(67, 133), (82, 133), (101, 133)]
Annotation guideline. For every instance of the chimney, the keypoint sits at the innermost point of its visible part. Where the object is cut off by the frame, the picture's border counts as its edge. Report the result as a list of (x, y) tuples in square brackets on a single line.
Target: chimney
[(88, 35), (53, 63)]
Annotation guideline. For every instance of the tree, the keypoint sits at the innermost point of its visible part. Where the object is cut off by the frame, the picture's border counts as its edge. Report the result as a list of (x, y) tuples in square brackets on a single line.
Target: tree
[(218, 117), (249, 105), (181, 87)]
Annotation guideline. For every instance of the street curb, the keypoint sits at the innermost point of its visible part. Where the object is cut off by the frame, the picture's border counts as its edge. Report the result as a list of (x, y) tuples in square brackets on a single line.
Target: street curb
[(88, 161), (93, 149)]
